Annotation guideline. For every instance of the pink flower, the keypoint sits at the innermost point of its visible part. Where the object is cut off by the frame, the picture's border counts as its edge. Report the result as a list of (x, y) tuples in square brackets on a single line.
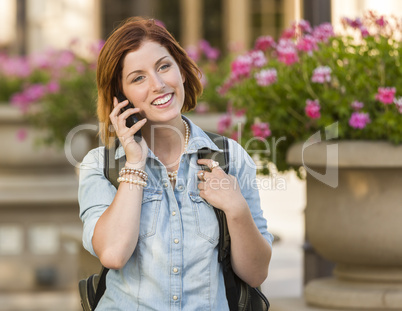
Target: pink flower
[(22, 134), (258, 58), (356, 105), (53, 87), (241, 112), (15, 67), (381, 21), (266, 77), (241, 67), (364, 31), (357, 23), (202, 108), (288, 34), (386, 95), (30, 95), (304, 26), (307, 44), (312, 109), (96, 47), (261, 130), (398, 104), (359, 120), (264, 43), (224, 123), (287, 52), (203, 80), (210, 52), (225, 87), (323, 32), (193, 53), (321, 74)]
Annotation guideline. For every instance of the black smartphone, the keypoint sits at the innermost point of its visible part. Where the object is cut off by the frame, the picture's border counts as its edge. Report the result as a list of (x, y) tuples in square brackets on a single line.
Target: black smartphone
[(131, 120)]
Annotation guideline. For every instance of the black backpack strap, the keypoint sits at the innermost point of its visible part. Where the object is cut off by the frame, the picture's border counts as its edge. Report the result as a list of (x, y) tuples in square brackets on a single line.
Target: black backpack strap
[(232, 292), (100, 290), (113, 166)]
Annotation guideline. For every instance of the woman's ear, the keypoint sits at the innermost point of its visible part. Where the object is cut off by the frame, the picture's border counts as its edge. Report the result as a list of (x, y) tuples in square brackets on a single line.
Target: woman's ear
[(183, 78)]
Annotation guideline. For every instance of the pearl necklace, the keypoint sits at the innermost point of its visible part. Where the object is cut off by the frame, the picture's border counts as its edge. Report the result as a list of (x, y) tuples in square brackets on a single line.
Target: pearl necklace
[(173, 175)]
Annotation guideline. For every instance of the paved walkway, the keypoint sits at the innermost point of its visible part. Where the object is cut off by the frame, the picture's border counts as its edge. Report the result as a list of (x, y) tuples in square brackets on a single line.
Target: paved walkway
[(284, 210)]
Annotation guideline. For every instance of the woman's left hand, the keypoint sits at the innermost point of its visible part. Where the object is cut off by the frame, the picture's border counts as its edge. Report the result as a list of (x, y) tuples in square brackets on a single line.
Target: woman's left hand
[(218, 188)]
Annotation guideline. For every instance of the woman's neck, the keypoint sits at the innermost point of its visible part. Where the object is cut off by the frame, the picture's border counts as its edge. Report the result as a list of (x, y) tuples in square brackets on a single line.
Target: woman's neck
[(166, 141)]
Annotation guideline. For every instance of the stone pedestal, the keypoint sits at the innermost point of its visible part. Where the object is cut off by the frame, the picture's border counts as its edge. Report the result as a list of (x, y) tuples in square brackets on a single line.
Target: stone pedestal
[(353, 218)]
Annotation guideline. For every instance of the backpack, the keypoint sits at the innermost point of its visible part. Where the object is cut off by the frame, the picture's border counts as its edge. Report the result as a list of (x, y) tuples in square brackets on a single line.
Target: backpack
[(240, 295)]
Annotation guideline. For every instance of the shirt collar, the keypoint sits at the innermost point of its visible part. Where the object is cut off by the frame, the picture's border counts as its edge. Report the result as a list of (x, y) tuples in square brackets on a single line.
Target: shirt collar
[(198, 140)]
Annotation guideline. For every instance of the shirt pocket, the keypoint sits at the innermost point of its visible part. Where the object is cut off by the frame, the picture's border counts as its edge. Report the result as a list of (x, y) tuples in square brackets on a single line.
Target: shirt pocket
[(205, 218), (151, 202)]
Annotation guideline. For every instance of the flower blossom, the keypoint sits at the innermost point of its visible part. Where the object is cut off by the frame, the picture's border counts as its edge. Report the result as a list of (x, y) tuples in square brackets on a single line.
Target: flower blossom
[(304, 26), (224, 123), (266, 77), (258, 58), (386, 95), (359, 120), (381, 21), (261, 130), (193, 53), (307, 44), (321, 74), (263, 43), (398, 103), (323, 32), (30, 95), (15, 67), (21, 134), (312, 109), (356, 105), (241, 67), (210, 52), (287, 52)]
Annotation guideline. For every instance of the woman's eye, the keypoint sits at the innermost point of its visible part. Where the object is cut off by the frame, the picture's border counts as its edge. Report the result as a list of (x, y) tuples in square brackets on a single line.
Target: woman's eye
[(138, 79), (163, 67)]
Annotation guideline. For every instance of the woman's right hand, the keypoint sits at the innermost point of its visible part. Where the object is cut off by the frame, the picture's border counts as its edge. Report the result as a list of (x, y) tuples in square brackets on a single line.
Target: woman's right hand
[(136, 153)]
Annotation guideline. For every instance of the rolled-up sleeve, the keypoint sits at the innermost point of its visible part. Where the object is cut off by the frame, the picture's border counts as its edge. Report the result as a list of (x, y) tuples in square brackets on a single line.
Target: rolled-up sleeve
[(95, 194), (243, 167)]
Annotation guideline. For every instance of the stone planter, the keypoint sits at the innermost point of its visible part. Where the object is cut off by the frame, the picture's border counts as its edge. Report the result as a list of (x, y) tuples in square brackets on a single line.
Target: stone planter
[(357, 223), (25, 152)]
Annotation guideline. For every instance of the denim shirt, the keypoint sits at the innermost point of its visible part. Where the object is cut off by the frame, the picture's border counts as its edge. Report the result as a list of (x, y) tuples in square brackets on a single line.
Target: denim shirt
[(175, 263)]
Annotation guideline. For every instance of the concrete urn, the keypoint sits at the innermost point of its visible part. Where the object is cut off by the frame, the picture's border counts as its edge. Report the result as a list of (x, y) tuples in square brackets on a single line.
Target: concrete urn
[(354, 219)]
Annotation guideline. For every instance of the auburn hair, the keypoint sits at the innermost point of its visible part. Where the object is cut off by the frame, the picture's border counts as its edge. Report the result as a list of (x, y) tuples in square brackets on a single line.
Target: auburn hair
[(126, 38)]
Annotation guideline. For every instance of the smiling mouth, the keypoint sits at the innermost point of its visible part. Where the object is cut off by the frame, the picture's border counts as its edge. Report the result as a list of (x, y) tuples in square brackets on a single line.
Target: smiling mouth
[(162, 100)]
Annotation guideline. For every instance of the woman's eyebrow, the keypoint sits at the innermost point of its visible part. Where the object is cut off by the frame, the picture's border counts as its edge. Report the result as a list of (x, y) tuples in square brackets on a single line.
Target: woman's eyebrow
[(156, 64)]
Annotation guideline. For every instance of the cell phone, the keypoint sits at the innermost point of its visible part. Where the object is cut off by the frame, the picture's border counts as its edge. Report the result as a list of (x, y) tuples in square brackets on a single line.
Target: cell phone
[(131, 120)]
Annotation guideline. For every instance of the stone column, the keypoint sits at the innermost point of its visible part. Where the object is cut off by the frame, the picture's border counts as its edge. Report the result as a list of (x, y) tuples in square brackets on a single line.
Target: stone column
[(191, 22), (237, 26)]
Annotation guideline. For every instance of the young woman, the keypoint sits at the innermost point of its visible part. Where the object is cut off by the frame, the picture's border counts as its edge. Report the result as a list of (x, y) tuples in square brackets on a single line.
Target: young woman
[(158, 232)]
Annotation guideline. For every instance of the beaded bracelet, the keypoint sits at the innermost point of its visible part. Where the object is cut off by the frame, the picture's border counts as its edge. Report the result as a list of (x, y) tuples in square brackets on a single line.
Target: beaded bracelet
[(132, 181), (134, 171)]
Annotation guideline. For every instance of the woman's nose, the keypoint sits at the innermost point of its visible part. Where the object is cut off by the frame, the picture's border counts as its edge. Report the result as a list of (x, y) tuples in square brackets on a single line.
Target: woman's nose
[(157, 83)]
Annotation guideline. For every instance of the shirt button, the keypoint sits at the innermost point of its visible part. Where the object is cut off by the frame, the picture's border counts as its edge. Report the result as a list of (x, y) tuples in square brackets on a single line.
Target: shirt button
[(176, 241), (175, 297), (175, 270), (173, 213), (180, 188), (165, 185)]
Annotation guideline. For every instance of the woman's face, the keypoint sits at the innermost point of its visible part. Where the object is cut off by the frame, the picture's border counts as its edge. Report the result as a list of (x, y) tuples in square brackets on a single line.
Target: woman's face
[(152, 81)]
